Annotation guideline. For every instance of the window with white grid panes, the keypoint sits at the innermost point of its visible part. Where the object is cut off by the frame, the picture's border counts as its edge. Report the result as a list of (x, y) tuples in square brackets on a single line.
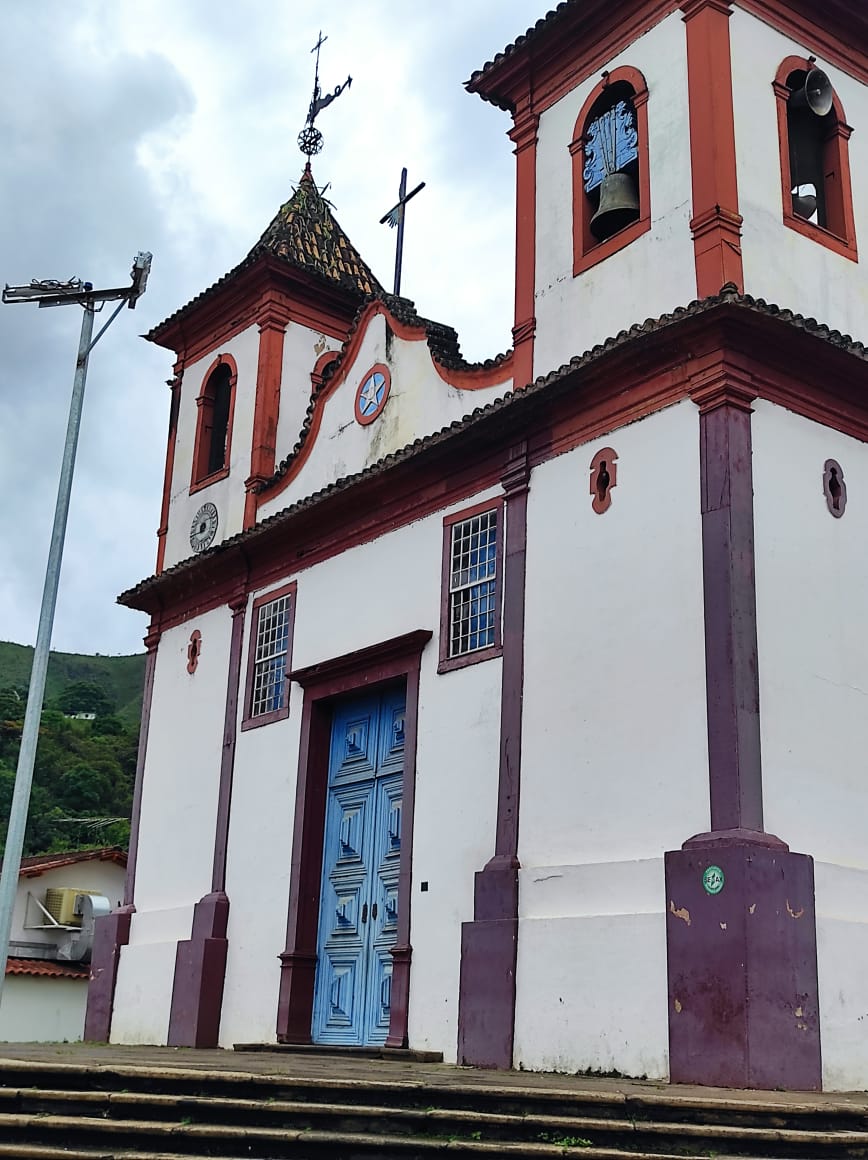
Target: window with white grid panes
[(270, 651), (473, 604), (269, 668)]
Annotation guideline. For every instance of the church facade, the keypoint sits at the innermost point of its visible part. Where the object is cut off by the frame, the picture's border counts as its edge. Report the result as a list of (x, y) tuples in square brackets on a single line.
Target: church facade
[(515, 710)]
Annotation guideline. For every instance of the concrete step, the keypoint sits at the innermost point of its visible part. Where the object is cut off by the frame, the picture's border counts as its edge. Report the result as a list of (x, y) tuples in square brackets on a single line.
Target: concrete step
[(658, 1104), (50, 1108), (48, 1137), (84, 1118), (396, 1054)]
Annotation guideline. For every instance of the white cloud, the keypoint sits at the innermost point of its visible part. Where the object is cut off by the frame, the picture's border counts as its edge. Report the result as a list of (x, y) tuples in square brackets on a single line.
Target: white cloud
[(172, 126)]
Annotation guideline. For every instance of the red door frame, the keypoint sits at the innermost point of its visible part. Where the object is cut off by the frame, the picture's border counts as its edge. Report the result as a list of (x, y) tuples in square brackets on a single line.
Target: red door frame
[(393, 660)]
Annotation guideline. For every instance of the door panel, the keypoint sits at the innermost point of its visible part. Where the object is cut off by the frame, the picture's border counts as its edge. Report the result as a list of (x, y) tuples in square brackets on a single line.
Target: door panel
[(361, 864)]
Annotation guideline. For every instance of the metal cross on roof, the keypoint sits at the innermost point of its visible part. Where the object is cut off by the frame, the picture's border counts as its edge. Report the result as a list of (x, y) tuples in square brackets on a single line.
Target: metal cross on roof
[(310, 138), (395, 217)]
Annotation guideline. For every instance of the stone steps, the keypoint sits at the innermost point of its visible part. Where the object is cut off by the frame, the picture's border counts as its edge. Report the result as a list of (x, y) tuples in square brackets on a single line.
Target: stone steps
[(50, 1111)]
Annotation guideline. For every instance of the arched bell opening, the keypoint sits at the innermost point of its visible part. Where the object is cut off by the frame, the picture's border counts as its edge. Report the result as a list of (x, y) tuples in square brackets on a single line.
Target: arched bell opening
[(215, 406), (810, 123), (611, 162), (611, 182), (815, 161)]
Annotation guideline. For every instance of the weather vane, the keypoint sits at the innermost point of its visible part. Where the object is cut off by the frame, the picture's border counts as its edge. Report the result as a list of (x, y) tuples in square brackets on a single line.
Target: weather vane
[(310, 138)]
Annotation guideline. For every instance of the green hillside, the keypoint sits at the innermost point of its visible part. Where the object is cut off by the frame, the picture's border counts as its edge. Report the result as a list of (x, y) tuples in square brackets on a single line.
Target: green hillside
[(85, 768), (120, 678)]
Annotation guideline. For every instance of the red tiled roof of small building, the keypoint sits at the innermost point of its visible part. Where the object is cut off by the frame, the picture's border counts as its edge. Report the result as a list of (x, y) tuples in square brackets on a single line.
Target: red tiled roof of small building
[(41, 863), (45, 969)]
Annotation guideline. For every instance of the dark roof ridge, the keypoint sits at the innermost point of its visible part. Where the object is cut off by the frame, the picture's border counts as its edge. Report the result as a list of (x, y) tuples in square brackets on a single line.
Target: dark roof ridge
[(728, 296), (440, 339), (553, 16)]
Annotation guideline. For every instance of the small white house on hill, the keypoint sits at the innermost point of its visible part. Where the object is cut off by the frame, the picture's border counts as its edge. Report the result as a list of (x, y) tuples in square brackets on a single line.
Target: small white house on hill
[(58, 899)]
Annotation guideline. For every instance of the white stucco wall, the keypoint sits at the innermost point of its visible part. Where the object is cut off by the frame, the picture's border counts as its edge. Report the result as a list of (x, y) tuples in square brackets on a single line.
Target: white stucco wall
[(40, 1010), (456, 810), (399, 576), (780, 264), (227, 494), (614, 753), (419, 403), (657, 271), (812, 576), (258, 867), (179, 810), (301, 349), (842, 959)]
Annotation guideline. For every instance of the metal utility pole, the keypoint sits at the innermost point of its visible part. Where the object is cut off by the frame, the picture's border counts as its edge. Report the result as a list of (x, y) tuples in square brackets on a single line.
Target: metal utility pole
[(53, 293)]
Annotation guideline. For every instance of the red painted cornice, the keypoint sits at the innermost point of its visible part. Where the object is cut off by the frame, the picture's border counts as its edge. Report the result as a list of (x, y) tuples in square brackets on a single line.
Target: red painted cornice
[(569, 44), (836, 30), (564, 49), (724, 351), (264, 291), (469, 378)]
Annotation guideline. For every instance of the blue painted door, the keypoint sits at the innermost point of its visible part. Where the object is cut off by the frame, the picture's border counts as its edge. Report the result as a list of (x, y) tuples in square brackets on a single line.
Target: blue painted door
[(358, 921)]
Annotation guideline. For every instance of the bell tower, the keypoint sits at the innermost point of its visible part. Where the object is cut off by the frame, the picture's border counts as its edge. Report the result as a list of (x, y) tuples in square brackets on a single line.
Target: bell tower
[(668, 148)]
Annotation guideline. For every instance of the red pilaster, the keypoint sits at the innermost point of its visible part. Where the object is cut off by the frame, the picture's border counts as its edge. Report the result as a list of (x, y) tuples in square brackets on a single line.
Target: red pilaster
[(524, 136), (272, 330), (113, 930), (716, 222), (489, 944), (175, 386)]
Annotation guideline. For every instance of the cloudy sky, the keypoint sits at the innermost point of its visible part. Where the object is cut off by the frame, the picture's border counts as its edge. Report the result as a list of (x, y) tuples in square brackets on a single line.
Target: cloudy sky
[(171, 125)]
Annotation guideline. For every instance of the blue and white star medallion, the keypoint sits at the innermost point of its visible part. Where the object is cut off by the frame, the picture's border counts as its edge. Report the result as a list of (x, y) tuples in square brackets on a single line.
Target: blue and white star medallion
[(372, 394)]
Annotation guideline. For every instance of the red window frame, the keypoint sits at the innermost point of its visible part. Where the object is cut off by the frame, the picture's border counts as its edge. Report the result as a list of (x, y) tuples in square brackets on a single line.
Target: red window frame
[(587, 251), (249, 721), (448, 663), (840, 234), (201, 477)]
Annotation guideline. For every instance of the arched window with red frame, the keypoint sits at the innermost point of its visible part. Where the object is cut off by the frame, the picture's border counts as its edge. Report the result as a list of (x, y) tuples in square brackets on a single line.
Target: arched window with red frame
[(216, 406), (815, 157), (611, 180), (321, 366)]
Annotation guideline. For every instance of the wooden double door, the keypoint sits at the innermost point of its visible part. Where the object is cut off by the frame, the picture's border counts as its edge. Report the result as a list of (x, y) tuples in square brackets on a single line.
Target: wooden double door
[(358, 918)]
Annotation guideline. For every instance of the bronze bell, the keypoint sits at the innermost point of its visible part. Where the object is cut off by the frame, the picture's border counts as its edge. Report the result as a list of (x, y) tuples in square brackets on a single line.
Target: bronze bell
[(804, 204), (619, 205)]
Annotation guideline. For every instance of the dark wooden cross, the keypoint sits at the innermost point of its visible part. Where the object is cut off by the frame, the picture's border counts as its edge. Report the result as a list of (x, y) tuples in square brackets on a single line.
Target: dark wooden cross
[(395, 217)]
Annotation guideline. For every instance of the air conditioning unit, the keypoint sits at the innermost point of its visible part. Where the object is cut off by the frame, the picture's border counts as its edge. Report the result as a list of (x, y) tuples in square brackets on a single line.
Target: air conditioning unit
[(61, 904)]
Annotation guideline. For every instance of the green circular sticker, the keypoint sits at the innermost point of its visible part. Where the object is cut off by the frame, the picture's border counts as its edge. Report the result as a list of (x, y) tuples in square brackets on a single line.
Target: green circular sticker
[(713, 879)]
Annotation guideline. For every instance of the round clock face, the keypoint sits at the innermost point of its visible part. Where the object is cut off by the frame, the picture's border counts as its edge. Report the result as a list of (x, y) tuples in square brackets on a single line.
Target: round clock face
[(203, 528), (372, 394)]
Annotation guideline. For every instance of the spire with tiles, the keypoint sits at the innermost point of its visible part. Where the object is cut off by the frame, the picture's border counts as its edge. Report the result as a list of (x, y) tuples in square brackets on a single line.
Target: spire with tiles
[(306, 233)]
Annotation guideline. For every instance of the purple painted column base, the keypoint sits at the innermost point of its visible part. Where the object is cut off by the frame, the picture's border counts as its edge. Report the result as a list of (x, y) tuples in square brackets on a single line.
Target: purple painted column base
[(110, 933), (489, 947), (200, 970), (742, 963)]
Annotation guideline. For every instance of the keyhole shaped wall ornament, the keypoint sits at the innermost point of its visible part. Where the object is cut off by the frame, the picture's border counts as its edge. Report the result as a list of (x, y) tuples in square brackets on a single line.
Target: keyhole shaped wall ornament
[(194, 651), (604, 477), (834, 488)]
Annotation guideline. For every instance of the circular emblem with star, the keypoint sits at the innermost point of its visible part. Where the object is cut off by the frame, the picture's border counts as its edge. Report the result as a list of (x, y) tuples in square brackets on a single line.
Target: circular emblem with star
[(372, 394)]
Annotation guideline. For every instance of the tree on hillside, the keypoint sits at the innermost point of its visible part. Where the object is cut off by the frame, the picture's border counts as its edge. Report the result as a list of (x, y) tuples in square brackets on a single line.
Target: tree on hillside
[(84, 697), (13, 704)]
